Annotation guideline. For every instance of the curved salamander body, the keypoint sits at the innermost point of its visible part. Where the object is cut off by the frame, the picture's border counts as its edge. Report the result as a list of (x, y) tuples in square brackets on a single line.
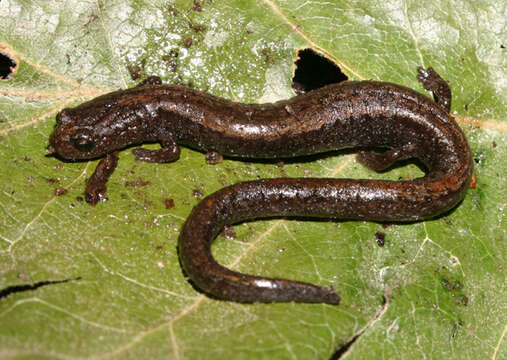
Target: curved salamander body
[(346, 115)]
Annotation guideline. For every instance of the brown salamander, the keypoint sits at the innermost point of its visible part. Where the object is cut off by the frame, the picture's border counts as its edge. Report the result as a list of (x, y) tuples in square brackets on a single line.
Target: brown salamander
[(365, 114)]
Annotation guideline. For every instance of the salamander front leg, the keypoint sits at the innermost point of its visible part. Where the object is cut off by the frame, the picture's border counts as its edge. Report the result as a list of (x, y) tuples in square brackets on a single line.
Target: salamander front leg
[(169, 152), (96, 185), (431, 81)]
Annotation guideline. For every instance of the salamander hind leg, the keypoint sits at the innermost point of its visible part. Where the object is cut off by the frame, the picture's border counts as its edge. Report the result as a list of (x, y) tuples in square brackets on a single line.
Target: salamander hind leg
[(382, 161), (431, 81), (169, 152)]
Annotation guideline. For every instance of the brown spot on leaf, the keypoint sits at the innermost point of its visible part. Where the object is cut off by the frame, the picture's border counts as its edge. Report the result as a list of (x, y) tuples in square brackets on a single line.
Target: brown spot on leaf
[(137, 183), (60, 191), (197, 194), (380, 236), (229, 232), (169, 203), (213, 158)]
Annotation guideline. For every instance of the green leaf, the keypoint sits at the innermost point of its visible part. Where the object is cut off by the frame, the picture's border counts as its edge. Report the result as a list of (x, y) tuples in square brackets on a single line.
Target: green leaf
[(104, 282)]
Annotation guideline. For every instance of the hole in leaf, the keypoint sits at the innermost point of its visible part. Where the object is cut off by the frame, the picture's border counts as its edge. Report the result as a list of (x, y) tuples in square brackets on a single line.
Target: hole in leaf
[(7, 65), (314, 71)]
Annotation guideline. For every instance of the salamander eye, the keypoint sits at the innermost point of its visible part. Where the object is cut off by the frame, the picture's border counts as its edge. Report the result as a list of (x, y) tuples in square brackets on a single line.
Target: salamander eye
[(83, 140)]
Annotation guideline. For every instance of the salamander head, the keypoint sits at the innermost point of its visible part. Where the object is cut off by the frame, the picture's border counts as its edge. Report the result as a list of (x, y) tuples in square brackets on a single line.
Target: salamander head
[(93, 129), (72, 139)]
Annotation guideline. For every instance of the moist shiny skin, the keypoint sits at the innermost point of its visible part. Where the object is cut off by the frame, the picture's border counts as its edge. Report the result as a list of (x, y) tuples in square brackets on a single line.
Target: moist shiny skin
[(364, 114)]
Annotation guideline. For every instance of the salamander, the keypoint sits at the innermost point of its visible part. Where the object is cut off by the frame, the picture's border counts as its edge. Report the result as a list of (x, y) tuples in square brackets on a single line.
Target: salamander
[(365, 115)]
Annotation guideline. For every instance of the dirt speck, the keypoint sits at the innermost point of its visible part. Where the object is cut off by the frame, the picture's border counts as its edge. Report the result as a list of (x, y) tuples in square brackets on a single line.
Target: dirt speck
[(173, 10), (172, 60), (197, 194), (447, 284), (187, 42), (229, 232), (268, 55), (138, 182), (213, 158), (136, 70), (381, 237), (196, 27), (60, 191), (197, 6), (169, 203)]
